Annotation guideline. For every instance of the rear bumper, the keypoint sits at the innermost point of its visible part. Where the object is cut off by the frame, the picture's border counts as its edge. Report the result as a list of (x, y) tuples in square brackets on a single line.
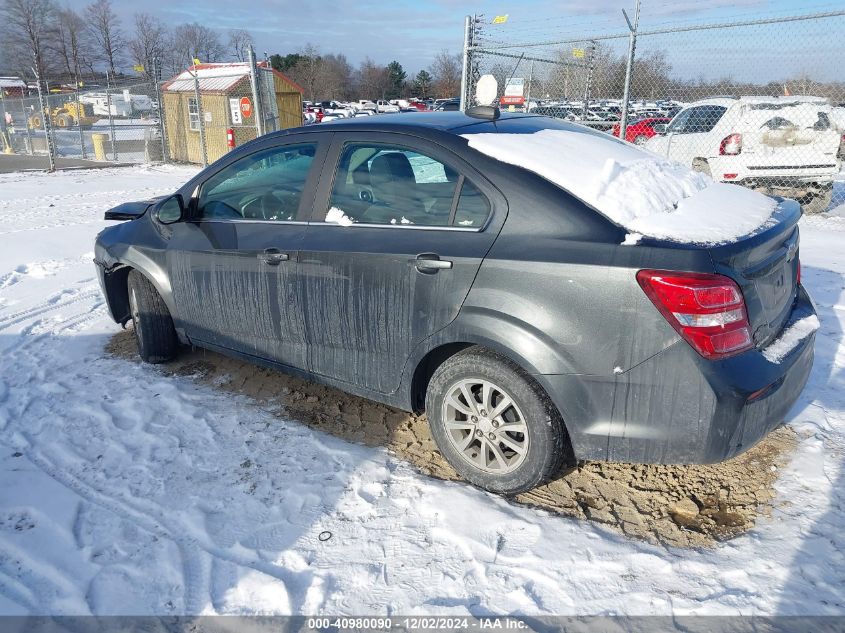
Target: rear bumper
[(778, 177), (678, 408)]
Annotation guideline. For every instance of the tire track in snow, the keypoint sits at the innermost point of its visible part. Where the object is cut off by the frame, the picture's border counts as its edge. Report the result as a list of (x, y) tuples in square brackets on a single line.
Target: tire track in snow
[(52, 303), (20, 569), (196, 568), (160, 525), (18, 593)]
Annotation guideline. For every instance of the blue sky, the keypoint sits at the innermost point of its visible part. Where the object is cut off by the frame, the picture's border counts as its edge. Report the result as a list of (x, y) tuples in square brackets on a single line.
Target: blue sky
[(414, 31)]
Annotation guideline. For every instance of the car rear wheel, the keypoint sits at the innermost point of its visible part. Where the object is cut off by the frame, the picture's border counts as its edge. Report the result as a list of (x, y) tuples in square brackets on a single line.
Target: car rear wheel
[(151, 320), (640, 139), (494, 424)]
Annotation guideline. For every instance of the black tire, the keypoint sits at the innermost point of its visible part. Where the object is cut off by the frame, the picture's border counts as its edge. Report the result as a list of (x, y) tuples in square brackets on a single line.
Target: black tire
[(640, 139), (154, 331), (548, 445), (64, 120)]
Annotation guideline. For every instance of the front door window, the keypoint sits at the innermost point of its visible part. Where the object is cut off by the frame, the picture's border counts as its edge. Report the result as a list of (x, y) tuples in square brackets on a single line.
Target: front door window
[(267, 185)]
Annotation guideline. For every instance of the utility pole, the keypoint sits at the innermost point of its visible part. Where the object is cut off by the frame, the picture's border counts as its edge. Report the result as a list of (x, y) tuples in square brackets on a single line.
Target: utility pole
[(527, 106), (256, 93), (465, 68), (203, 150), (632, 46), (589, 85), (48, 124), (161, 123), (79, 112), (111, 117)]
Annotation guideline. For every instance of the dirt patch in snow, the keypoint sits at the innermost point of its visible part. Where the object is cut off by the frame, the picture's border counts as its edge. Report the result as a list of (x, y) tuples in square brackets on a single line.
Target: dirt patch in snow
[(687, 506)]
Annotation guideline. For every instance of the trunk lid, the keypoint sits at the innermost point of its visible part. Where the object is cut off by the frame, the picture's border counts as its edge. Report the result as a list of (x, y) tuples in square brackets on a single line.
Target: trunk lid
[(765, 265), (786, 135)]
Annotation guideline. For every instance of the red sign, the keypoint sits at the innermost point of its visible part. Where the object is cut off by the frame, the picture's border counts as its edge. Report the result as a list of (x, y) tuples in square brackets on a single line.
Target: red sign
[(511, 100), (246, 107)]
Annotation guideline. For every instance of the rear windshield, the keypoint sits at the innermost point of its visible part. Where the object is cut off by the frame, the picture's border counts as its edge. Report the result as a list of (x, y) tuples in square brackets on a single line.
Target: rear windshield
[(528, 124)]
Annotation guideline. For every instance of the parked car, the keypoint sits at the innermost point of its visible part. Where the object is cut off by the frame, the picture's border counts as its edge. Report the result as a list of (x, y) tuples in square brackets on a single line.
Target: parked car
[(779, 145), (448, 105), (516, 319), (556, 112), (384, 106), (638, 132)]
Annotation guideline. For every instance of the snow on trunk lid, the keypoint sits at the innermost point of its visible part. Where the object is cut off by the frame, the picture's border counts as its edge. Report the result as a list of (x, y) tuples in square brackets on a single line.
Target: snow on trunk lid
[(639, 190)]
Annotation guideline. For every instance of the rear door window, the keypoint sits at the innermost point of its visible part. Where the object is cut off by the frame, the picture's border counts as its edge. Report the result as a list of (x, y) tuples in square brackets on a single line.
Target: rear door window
[(387, 184), (697, 120), (473, 207)]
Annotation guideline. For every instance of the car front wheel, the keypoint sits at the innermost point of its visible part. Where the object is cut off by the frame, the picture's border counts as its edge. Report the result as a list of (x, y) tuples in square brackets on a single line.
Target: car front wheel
[(494, 424), (154, 331)]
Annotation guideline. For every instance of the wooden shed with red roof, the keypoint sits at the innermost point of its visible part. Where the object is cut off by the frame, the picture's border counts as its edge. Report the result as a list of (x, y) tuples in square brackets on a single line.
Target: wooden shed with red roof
[(226, 101)]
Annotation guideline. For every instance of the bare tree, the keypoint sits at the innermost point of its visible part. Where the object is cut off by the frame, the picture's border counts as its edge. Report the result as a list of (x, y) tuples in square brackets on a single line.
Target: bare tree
[(26, 27), (336, 77), (104, 28), (446, 69), (308, 71), (372, 79), (70, 43), (148, 45), (239, 42), (195, 41)]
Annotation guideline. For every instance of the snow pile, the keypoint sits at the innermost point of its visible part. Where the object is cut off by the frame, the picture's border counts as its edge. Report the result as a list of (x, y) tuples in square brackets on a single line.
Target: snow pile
[(634, 188), (790, 338)]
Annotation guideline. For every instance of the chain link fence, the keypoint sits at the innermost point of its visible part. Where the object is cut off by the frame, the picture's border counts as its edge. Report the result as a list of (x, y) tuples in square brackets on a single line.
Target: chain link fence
[(64, 125), (759, 102), (195, 117)]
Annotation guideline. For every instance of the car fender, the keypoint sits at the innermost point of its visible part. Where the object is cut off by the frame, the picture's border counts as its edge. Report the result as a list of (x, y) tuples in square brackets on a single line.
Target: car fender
[(139, 246), (521, 342)]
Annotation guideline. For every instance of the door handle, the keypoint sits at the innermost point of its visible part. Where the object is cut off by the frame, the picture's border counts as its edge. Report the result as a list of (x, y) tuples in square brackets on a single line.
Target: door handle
[(430, 263), (273, 256)]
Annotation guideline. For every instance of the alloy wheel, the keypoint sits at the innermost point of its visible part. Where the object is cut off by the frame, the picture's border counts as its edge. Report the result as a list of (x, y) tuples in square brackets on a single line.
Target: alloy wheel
[(485, 426)]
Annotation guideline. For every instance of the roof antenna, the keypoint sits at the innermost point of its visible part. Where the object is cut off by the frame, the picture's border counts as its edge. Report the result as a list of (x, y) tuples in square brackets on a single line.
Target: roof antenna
[(489, 112)]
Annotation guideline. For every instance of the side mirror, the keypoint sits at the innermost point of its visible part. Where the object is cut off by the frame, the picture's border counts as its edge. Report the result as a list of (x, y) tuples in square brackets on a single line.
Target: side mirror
[(659, 128), (170, 210)]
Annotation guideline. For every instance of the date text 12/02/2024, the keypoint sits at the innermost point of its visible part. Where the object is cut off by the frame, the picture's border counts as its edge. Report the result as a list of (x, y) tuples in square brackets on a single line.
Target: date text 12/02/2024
[(415, 623)]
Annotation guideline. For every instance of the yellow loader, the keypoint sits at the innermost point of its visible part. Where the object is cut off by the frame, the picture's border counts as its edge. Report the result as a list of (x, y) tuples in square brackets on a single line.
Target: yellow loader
[(66, 115)]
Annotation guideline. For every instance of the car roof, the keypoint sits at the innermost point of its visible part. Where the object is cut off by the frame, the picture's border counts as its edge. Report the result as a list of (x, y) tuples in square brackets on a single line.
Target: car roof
[(756, 99), (410, 122)]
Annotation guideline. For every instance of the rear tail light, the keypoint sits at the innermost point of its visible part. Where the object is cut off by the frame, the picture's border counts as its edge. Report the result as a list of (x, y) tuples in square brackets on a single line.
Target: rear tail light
[(707, 310), (731, 145)]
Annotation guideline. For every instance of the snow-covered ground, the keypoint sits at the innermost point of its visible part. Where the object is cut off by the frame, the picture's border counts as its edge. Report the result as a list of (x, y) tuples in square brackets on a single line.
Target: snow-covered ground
[(123, 490)]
